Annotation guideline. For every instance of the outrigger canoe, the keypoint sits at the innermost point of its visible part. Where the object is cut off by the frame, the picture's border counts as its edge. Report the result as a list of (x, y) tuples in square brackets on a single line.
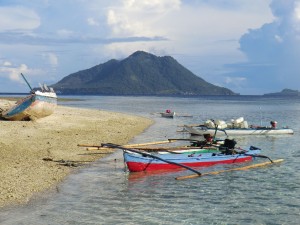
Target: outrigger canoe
[(201, 129), (238, 126), (137, 162)]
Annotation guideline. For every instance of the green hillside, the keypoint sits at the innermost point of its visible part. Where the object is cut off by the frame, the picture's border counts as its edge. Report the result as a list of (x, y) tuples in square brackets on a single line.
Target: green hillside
[(141, 73)]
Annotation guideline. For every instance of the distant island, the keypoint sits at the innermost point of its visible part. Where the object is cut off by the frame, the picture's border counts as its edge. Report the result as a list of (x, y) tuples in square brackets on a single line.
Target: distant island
[(285, 92), (141, 73)]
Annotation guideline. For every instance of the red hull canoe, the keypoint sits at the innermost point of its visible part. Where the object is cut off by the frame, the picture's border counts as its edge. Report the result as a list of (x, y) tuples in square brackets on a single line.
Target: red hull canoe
[(137, 163)]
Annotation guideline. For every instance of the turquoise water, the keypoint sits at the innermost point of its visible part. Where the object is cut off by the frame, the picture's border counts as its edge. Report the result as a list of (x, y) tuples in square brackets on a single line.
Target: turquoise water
[(104, 193)]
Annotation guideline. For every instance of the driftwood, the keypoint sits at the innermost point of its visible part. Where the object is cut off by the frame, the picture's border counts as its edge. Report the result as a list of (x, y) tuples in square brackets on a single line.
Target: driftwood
[(69, 163)]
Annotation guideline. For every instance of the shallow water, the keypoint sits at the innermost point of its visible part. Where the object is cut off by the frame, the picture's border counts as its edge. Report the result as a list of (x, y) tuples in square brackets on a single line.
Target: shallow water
[(104, 193)]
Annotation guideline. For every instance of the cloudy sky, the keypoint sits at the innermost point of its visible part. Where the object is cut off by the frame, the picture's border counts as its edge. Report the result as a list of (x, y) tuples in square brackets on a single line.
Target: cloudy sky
[(250, 47)]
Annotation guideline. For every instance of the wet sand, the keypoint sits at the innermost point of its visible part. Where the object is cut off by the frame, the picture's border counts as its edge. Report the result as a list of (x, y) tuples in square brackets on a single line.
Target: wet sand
[(36, 155)]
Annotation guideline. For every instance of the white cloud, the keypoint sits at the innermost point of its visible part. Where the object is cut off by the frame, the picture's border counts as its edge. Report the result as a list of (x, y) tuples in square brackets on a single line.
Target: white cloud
[(92, 22), (151, 6), (235, 80), (53, 60), (297, 10), (13, 18), (272, 51), (6, 63), (140, 18), (278, 38), (204, 31), (201, 35), (14, 72), (64, 33)]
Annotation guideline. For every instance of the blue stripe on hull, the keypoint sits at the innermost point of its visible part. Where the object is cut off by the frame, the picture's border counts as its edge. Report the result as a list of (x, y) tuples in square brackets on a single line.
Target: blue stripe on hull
[(21, 111), (20, 108)]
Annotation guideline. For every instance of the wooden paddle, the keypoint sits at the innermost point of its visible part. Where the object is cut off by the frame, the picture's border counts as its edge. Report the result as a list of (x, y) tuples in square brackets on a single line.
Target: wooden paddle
[(109, 145), (234, 169)]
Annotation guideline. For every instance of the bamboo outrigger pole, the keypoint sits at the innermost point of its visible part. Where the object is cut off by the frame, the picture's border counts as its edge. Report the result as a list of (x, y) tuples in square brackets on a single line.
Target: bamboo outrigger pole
[(148, 143), (234, 169), (98, 147)]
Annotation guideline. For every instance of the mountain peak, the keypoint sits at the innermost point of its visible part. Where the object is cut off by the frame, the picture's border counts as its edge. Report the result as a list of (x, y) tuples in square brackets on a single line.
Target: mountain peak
[(141, 73), (140, 53)]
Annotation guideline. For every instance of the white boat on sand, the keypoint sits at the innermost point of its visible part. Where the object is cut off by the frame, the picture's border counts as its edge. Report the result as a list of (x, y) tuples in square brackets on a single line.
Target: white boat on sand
[(37, 105)]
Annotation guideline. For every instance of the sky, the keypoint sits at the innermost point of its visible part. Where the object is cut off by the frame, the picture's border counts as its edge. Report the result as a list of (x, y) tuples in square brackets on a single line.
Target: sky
[(251, 47)]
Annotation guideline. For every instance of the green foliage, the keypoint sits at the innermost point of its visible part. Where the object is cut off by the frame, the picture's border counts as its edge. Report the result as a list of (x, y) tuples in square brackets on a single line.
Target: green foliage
[(139, 74)]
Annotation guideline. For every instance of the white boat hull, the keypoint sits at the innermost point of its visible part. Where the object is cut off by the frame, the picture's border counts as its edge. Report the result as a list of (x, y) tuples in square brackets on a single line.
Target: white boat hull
[(241, 131), (34, 106), (168, 115)]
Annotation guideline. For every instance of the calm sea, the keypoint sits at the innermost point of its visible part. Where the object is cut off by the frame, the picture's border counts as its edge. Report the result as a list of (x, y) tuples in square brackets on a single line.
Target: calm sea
[(103, 193)]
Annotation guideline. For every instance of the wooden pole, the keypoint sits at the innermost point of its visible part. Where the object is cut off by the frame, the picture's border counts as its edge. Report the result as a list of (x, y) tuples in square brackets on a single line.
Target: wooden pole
[(95, 148), (190, 125), (234, 169), (157, 149), (26, 82), (88, 145), (173, 148), (148, 143), (129, 145), (182, 139)]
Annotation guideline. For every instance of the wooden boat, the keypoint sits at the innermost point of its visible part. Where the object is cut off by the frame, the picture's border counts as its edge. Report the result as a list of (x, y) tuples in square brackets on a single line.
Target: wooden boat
[(137, 162), (202, 129), (235, 127), (36, 105), (168, 114)]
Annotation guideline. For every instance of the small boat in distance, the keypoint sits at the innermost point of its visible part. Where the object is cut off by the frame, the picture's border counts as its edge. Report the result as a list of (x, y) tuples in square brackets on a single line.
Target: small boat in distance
[(168, 114), (38, 104), (235, 127)]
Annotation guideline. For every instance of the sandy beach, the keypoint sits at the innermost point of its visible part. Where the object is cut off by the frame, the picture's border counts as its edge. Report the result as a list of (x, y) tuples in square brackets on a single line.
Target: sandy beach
[(24, 146)]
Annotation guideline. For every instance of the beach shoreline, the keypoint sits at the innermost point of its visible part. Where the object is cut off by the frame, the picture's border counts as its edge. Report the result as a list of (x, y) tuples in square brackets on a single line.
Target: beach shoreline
[(37, 155)]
